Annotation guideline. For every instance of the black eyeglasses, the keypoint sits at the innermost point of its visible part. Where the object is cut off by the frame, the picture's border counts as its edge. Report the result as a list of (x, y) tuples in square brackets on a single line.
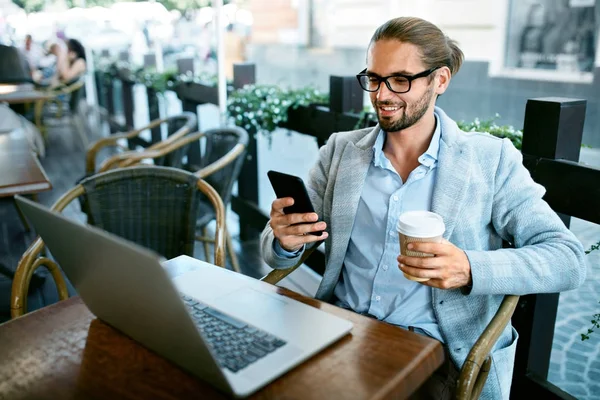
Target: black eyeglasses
[(397, 83)]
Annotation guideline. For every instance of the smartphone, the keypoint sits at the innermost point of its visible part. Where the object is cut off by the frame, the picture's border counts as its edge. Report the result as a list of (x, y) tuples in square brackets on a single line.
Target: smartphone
[(286, 185)]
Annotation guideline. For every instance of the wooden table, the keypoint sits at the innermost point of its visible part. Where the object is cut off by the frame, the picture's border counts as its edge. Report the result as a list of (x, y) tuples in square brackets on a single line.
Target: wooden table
[(25, 94), (22, 172), (63, 352)]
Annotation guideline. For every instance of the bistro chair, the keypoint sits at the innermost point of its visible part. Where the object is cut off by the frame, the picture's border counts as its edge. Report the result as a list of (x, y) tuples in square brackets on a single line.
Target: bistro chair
[(220, 166), (476, 367), (155, 207), (64, 98), (93, 122), (165, 152)]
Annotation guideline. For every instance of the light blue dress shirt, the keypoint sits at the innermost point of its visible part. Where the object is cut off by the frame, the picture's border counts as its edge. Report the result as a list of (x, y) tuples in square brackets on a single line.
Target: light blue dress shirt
[(371, 282)]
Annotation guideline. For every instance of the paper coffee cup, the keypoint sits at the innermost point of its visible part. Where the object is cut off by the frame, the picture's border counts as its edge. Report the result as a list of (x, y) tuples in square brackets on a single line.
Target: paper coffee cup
[(419, 226)]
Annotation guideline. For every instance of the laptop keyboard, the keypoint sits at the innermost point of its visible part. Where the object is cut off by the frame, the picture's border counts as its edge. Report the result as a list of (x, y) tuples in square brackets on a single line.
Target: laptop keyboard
[(235, 344)]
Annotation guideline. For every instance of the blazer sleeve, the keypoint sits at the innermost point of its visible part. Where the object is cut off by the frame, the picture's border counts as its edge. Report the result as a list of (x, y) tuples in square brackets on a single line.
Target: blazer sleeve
[(547, 257), (316, 186)]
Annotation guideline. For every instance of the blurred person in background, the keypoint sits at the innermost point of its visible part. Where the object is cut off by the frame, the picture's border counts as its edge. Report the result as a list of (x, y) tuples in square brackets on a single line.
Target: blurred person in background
[(70, 61), (33, 53)]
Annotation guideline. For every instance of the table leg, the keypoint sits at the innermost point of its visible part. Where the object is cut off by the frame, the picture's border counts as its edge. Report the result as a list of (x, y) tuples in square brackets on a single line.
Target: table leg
[(38, 108)]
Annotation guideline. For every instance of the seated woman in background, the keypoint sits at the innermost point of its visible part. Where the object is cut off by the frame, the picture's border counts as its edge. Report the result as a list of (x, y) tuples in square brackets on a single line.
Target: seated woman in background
[(70, 62)]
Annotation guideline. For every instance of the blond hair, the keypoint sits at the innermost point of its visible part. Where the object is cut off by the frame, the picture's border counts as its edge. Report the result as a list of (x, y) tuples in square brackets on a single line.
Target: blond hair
[(437, 49)]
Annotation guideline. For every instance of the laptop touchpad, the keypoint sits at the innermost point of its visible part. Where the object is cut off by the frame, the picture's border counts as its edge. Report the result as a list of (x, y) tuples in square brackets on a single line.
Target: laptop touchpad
[(250, 304)]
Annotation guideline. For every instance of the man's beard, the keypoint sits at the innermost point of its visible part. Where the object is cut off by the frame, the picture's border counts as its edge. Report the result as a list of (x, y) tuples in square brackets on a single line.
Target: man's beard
[(410, 116)]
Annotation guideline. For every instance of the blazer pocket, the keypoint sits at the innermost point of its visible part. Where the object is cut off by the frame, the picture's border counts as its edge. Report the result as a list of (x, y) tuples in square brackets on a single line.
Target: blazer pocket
[(503, 361)]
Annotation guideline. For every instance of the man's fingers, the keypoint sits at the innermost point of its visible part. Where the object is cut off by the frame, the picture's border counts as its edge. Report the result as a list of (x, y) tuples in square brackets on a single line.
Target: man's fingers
[(439, 249), (315, 238), (293, 219), (296, 242), (283, 220), (418, 272), (302, 229), (279, 204), (420, 262)]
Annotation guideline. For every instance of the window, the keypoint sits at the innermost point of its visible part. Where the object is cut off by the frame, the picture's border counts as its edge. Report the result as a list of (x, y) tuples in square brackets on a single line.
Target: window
[(552, 39)]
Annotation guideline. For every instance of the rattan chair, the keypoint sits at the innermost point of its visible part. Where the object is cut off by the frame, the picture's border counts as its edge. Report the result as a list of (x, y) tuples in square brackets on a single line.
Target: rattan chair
[(93, 122), (155, 207), (220, 166), (476, 367), (66, 96), (167, 152)]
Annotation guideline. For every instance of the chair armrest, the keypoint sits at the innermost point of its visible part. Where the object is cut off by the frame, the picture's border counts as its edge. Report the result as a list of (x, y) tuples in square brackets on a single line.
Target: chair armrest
[(27, 266), (477, 365), (228, 158), (92, 151), (94, 148), (220, 229), (30, 261), (131, 158), (277, 275)]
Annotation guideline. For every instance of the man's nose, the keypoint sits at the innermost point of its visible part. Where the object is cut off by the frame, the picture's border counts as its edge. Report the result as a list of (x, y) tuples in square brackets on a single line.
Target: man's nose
[(384, 93)]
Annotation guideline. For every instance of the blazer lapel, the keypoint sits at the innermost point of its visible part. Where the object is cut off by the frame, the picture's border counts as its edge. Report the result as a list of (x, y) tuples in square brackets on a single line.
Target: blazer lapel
[(349, 182), (453, 176)]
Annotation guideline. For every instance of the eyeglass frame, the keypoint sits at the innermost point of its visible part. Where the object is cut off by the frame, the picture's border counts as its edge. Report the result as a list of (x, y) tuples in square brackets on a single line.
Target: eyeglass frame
[(409, 78)]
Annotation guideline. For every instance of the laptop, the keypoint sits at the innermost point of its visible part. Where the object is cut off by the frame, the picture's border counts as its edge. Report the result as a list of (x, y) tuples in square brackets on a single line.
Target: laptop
[(228, 329)]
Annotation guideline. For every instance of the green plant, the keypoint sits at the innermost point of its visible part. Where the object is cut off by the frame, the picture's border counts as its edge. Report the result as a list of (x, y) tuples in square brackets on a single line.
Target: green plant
[(159, 81), (490, 126), (203, 78), (595, 325), (596, 318), (265, 107)]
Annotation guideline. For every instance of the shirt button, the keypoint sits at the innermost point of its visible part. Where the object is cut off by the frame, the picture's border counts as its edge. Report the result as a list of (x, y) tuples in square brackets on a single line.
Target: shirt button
[(377, 298), (385, 267), (395, 198), (392, 233)]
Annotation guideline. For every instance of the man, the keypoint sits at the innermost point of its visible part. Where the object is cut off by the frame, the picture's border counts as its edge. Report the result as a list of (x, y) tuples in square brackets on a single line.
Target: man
[(418, 159), (33, 53)]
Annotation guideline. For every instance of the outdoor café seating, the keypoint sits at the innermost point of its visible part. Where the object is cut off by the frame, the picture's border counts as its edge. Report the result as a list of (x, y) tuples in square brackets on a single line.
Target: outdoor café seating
[(118, 202), (220, 166), (158, 147), (177, 126)]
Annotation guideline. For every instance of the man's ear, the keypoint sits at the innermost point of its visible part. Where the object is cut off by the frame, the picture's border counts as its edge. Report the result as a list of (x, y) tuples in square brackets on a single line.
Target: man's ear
[(442, 80)]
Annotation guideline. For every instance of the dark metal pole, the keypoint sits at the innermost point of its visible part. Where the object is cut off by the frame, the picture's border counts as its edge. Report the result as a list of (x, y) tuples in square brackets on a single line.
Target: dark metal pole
[(154, 113), (244, 74)]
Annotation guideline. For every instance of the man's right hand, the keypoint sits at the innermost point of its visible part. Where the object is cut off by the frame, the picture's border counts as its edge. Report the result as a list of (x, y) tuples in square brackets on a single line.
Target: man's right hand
[(293, 230)]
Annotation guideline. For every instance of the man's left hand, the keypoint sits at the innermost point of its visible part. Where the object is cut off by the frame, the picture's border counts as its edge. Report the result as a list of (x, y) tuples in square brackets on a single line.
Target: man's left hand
[(448, 269)]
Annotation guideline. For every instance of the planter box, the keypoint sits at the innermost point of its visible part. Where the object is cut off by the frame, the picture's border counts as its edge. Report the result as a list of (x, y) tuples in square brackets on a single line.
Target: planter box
[(197, 93), (319, 121), (124, 74)]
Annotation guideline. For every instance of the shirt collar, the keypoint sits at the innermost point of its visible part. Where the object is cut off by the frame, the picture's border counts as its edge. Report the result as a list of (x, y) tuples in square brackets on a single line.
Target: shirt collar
[(428, 159)]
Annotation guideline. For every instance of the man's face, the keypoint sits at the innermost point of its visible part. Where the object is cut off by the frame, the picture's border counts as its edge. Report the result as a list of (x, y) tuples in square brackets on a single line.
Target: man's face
[(398, 111)]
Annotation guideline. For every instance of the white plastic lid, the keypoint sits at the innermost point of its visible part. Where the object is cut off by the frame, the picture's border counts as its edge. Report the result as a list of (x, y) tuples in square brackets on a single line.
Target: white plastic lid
[(421, 224)]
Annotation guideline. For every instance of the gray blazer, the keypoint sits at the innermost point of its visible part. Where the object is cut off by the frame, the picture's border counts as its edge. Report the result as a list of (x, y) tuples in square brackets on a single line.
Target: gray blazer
[(485, 195)]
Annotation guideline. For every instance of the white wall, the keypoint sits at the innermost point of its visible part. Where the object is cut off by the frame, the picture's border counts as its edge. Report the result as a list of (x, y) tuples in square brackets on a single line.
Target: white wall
[(473, 23), (479, 26)]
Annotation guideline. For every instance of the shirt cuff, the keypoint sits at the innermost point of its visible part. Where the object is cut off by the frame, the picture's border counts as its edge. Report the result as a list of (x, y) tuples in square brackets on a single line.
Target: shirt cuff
[(283, 253)]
